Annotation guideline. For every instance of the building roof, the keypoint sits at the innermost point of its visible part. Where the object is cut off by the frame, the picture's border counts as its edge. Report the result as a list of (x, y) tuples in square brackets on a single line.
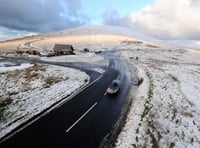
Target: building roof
[(63, 47)]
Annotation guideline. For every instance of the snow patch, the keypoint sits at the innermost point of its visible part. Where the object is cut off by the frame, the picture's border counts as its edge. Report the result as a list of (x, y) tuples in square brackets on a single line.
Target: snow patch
[(75, 58), (4, 68)]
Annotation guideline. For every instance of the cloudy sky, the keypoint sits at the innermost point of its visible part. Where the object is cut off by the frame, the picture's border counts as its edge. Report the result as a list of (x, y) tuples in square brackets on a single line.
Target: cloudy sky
[(164, 19)]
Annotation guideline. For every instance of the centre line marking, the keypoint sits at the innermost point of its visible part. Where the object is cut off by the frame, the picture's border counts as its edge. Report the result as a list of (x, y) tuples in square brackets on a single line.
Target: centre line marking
[(81, 117)]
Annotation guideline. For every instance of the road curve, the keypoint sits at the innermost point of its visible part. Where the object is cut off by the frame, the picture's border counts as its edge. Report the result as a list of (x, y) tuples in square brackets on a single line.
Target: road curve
[(83, 121), (93, 74)]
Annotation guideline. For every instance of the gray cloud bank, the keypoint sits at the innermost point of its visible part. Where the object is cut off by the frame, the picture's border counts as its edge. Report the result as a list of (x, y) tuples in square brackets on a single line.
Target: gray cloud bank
[(41, 15)]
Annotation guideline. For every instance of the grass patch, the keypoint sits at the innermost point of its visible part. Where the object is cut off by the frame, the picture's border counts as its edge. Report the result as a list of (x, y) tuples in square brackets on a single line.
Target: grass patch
[(51, 80), (153, 141), (147, 104), (177, 121), (30, 75), (174, 112), (32, 72), (173, 77), (38, 68), (12, 93), (25, 88), (172, 145), (186, 114), (152, 46), (137, 130), (6, 101), (136, 138), (12, 74), (151, 85), (152, 132), (3, 105)]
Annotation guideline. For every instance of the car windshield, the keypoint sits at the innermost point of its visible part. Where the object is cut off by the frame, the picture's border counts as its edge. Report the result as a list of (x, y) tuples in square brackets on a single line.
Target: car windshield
[(114, 85)]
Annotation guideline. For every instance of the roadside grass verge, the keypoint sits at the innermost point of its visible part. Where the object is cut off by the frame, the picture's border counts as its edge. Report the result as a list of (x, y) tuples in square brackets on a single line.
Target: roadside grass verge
[(146, 119), (3, 104)]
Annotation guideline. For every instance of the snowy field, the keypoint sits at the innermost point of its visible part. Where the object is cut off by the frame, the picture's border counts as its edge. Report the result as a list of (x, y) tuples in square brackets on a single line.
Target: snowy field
[(85, 58), (166, 110), (27, 89)]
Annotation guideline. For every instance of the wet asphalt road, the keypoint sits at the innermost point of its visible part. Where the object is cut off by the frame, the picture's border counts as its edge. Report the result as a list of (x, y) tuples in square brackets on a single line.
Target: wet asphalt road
[(83, 121)]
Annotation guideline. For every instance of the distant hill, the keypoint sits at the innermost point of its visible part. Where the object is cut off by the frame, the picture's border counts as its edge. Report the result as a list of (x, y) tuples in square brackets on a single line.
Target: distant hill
[(92, 34), (101, 29)]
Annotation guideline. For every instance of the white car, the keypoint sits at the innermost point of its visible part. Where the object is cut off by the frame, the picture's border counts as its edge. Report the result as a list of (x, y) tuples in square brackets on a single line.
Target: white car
[(114, 87)]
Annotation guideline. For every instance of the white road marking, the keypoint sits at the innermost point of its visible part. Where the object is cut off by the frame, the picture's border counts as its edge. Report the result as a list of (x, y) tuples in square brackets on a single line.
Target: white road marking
[(81, 117)]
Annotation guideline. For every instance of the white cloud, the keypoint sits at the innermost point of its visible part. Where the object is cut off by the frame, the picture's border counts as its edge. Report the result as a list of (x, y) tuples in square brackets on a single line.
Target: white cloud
[(169, 19)]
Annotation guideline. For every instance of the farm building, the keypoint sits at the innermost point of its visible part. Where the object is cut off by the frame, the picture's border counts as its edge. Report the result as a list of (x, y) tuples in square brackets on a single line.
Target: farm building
[(33, 52), (28, 51), (63, 49)]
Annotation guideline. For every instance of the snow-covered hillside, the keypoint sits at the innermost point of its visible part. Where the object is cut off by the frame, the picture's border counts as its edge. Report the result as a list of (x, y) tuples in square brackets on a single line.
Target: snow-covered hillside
[(191, 44), (122, 31), (95, 30), (165, 112)]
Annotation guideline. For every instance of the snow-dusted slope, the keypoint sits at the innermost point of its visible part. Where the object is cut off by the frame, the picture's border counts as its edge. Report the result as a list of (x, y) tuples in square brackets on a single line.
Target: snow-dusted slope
[(117, 30), (166, 110), (101, 29), (194, 44)]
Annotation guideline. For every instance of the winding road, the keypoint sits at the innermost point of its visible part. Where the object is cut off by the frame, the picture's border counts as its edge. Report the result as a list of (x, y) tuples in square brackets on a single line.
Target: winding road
[(88, 119)]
